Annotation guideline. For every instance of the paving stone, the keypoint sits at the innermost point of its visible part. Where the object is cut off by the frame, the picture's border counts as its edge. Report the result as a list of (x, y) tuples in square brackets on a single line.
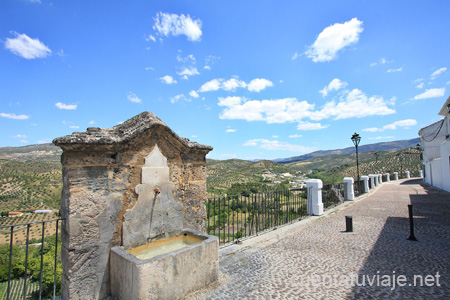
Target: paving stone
[(316, 260)]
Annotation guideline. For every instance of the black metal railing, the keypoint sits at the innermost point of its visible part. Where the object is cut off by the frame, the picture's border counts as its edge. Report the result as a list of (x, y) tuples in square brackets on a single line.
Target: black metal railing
[(358, 188), (232, 218), (33, 266), (332, 194)]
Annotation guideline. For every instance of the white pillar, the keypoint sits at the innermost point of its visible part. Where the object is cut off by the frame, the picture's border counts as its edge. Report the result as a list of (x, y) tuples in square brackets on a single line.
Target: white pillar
[(366, 183), (380, 179), (375, 179), (407, 174), (420, 173), (388, 177), (314, 187), (349, 192), (395, 175), (372, 180)]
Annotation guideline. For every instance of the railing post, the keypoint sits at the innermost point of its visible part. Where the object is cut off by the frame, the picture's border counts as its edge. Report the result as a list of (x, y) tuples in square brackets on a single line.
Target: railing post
[(315, 187), (395, 175), (388, 177), (372, 180), (420, 173), (380, 178), (349, 193), (365, 179), (407, 174)]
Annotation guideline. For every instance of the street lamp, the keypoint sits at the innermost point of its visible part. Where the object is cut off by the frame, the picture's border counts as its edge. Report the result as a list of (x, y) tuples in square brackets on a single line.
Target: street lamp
[(356, 139)]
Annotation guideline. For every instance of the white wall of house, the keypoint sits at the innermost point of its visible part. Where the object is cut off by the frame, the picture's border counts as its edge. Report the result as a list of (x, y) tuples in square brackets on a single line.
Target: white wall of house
[(435, 141)]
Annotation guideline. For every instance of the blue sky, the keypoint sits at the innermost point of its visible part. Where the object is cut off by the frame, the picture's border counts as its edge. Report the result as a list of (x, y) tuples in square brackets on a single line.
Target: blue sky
[(253, 79)]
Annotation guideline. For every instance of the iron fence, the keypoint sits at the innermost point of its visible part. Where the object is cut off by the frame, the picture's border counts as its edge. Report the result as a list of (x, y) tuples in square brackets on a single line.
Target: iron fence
[(332, 194), (32, 263), (232, 218), (358, 187)]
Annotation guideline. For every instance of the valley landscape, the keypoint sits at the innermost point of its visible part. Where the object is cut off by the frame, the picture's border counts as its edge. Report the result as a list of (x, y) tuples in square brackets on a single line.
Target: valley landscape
[(30, 176)]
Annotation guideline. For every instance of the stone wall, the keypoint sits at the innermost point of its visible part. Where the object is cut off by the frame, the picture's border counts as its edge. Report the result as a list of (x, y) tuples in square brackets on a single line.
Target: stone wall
[(101, 169)]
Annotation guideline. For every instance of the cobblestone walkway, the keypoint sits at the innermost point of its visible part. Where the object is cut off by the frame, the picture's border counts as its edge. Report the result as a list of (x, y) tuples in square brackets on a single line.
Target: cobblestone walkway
[(318, 260)]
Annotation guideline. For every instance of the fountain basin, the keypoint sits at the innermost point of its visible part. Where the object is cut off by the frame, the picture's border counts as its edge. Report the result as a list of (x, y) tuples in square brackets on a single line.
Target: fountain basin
[(165, 269)]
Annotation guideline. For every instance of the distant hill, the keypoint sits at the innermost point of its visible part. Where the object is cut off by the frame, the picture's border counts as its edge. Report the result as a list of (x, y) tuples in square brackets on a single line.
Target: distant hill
[(41, 152), (386, 146), (223, 173)]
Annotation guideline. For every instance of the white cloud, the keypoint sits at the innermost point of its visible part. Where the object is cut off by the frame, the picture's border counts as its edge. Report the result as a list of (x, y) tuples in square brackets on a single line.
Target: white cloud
[(430, 93), (172, 24), (178, 98), (292, 136), (395, 70), (193, 94), (277, 146), (91, 122), (334, 85), (354, 104), (150, 38), (420, 85), (14, 116), (437, 73), (295, 56), (259, 84), (188, 72), (232, 84), (133, 98), (74, 127), (334, 38), (212, 85), (256, 85), (168, 79), (371, 129), (34, 1), (381, 61), (403, 123), (230, 130), (186, 59), (26, 47), (209, 61), (270, 111), (310, 126), (66, 106), (20, 136), (448, 82)]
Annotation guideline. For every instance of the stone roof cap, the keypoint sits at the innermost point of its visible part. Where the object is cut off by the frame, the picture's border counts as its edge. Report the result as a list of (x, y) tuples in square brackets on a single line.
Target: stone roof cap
[(122, 133)]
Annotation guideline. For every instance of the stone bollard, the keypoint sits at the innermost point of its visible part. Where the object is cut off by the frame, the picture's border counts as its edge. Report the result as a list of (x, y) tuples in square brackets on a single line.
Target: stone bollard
[(314, 187), (375, 180), (372, 181), (420, 173), (388, 177), (380, 179), (349, 193), (395, 175), (407, 174), (365, 179)]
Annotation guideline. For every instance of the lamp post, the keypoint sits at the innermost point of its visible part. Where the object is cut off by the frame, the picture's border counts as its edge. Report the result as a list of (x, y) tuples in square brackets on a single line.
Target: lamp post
[(356, 139)]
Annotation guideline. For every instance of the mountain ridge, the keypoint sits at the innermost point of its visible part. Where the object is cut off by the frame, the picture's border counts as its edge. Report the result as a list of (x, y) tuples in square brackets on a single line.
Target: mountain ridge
[(384, 146)]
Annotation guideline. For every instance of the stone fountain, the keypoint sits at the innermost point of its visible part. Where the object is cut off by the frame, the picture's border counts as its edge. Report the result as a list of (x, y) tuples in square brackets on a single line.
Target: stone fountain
[(133, 186)]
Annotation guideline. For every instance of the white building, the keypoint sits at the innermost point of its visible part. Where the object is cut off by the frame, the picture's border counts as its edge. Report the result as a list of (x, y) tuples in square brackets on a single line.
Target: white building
[(435, 141)]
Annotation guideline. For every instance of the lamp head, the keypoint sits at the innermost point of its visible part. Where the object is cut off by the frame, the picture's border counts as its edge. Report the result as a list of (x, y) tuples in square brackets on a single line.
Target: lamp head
[(356, 139)]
